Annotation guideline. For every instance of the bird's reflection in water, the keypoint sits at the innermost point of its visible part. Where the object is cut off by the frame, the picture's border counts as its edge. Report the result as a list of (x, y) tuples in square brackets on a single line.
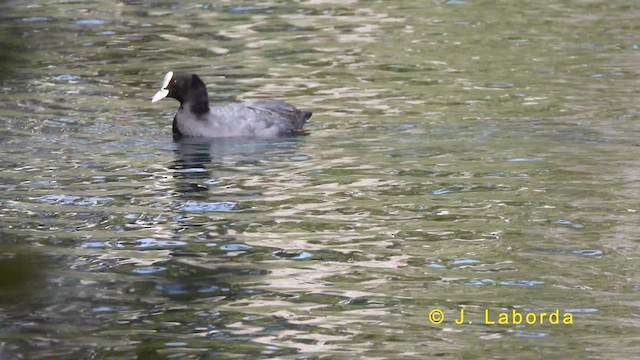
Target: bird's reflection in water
[(199, 162), (202, 214)]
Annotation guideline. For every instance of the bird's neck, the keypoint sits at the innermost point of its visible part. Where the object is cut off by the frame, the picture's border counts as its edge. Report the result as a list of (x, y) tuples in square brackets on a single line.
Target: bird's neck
[(198, 103)]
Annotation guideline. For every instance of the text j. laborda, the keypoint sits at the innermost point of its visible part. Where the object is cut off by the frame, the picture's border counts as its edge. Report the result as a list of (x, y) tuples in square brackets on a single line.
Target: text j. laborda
[(513, 317)]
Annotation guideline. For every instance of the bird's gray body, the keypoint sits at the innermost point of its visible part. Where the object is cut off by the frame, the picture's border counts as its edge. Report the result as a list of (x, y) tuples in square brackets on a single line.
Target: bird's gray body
[(195, 118), (264, 119)]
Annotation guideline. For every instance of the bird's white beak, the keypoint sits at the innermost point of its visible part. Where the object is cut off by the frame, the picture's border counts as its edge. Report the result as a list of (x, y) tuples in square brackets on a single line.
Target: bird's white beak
[(163, 92), (160, 95)]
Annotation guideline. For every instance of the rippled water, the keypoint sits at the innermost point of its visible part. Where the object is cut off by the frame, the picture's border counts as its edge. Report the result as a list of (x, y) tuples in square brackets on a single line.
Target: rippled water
[(475, 155)]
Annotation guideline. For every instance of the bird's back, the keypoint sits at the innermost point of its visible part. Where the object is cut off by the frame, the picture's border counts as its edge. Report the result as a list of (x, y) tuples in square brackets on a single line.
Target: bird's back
[(263, 118)]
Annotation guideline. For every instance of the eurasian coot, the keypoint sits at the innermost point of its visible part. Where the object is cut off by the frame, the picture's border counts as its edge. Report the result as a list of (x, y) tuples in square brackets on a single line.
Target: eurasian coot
[(195, 118)]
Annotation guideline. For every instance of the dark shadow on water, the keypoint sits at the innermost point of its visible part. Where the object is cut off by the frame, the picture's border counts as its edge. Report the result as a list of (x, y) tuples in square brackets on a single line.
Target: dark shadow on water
[(21, 273), (14, 50)]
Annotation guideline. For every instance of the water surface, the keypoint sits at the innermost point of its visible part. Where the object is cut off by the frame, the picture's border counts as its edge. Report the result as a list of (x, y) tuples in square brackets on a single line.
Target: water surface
[(467, 155)]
